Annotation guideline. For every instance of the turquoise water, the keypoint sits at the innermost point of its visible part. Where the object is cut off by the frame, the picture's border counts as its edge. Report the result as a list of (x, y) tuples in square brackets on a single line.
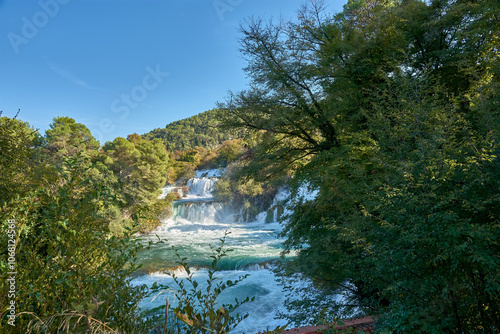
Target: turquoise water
[(199, 222)]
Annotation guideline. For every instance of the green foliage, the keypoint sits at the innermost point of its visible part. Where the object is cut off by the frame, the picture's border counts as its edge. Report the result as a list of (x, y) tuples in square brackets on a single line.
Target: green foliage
[(135, 170), (18, 141), (180, 170), (183, 163), (277, 330), (240, 192), (201, 130), (229, 151), (71, 276), (132, 170), (150, 215), (389, 109), (75, 209), (140, 165), (70, 202), (66, 138)]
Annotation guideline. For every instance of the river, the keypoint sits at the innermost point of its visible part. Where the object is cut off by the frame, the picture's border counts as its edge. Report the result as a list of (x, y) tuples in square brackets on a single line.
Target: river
[(199, 222)]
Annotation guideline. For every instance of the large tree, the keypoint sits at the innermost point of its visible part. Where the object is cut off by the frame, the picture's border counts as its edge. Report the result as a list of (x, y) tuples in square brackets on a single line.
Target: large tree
[(65, 137), (390, 110), (18, 141), (71, 275), (140, 165)]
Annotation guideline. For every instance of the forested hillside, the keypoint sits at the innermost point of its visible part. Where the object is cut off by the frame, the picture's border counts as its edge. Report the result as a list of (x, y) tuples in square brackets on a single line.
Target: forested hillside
[(202, 130)]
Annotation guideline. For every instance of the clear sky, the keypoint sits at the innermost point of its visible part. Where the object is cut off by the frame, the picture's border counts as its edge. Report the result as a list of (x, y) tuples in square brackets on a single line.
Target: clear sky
[(124, 66)]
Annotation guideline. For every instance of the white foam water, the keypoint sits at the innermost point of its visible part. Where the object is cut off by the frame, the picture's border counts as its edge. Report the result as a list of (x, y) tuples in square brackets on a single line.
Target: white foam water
[(261, 284), (209, 172), (201, 187), (199, 222)]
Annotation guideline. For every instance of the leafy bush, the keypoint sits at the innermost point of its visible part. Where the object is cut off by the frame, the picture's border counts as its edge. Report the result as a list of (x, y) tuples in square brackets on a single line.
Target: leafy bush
[(72, 277)]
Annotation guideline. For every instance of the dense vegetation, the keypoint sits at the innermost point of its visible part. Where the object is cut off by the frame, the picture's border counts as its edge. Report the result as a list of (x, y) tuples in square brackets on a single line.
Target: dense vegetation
[(201, 130), (73, 205), (390, 110)]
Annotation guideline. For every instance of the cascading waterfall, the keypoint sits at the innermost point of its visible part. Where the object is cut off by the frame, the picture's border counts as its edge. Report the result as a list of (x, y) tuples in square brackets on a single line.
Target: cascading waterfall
[(198, 222), (171, 189), (201, 187), (199, 212)]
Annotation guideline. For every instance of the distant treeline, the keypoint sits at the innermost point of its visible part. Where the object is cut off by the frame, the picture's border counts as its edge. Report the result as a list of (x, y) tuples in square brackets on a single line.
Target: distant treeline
[(201, 130)]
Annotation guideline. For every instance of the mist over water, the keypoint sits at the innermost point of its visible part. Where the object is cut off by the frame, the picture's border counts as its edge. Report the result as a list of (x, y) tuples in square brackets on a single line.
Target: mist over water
[(198, 222)]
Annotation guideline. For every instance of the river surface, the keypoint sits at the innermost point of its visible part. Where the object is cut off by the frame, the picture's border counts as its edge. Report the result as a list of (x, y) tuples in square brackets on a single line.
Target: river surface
[(199, 222)]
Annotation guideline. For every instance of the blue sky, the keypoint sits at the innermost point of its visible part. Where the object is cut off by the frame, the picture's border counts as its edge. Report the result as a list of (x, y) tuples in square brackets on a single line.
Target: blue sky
[(123, 66)]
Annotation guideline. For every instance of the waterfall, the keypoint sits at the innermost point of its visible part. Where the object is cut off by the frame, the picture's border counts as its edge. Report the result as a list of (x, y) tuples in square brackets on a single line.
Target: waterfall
[(203, 212), (201, 187), (171, 189), (198, 222)]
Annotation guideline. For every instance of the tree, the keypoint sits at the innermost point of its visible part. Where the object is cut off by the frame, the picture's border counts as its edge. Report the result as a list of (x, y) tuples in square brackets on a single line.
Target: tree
[(18, 141), (140, 165), (88, 285), (388, 110), (200, 130), (65, 137), (64, 209)]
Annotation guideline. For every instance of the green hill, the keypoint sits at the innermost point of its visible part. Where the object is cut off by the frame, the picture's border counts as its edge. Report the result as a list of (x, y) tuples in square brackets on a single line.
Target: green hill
[(201, 130)]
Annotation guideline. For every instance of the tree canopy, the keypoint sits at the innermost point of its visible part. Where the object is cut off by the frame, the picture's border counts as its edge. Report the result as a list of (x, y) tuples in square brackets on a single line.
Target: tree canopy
[(201, 130), (390, 110)]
